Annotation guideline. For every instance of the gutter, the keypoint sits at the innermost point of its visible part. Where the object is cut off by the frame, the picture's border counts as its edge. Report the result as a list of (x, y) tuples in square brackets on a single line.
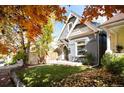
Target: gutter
[(111, 22)]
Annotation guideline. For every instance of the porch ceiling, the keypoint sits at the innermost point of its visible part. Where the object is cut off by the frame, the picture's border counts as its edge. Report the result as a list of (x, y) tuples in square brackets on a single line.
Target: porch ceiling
[(119, 28)]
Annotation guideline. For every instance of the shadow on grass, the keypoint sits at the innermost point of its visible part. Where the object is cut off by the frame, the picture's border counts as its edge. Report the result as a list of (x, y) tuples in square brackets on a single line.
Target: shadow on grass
[(47, 75)]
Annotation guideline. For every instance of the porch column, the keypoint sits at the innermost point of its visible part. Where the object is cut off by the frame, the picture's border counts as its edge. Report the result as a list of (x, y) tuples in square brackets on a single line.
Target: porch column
[(108, 43)]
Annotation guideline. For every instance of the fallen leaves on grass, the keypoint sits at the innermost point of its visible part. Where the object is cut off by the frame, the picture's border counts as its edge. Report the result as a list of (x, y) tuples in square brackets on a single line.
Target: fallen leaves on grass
[(91, 78)]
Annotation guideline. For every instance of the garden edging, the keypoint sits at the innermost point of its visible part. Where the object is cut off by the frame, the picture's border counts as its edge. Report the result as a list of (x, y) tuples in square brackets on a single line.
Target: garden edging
[(16, 80)]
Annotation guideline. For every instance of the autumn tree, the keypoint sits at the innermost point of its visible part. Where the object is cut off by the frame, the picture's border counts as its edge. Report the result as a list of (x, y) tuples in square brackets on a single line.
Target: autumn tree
[(42, 44), (28, 22), (94, 11), (21, 25)]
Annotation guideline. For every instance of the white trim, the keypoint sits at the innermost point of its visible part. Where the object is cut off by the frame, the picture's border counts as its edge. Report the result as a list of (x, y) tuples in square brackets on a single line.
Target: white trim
[(69, 25), (64, 25), (88, 24), (114, 19), (81, 35), (80, 39), (76, 47), (113, 24), (108, 43), (115, 39), (72, 27)]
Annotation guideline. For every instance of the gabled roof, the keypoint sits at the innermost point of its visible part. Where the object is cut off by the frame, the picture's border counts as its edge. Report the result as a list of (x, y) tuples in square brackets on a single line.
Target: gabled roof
[(65, 25), (88, 24)]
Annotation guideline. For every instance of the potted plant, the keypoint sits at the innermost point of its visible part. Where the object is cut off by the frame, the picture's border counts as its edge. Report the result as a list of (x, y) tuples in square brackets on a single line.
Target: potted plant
[(119, 48)]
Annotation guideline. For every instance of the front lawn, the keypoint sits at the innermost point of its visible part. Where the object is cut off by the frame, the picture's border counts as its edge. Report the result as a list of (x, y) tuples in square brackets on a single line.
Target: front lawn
[(47, 75)]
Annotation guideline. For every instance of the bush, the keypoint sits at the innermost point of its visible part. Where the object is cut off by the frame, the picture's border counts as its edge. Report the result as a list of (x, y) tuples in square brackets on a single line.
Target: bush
[(107, 60), (18, 56), (113, 64), (88, 59)]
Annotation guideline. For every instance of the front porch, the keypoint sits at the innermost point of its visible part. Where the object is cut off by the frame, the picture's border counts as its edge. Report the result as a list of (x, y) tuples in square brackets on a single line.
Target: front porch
[(116, 42), (115, 37)]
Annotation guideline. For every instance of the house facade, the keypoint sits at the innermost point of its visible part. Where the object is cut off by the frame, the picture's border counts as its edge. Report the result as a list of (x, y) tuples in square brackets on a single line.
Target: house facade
[(114, 28), (78, 39)]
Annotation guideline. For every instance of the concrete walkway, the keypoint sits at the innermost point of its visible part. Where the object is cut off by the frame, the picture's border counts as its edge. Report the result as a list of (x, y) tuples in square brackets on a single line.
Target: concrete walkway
[(63, 62)]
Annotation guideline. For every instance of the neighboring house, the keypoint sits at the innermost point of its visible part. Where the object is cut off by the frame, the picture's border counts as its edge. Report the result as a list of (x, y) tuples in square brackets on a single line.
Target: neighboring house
[(115, 33), (76, 39)]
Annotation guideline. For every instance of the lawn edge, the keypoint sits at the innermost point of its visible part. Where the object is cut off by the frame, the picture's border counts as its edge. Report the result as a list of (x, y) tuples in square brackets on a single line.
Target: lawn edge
[(16, 80)]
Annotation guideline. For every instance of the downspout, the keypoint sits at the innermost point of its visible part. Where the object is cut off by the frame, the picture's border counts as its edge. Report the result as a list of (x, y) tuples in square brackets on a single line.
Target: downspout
[(98, 50)]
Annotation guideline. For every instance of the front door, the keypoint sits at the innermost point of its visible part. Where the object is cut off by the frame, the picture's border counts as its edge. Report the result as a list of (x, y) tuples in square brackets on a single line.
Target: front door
[(65, 53)]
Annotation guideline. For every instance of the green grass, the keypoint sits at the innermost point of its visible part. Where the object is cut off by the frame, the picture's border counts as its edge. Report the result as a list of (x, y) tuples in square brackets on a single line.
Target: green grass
[(45, 76)]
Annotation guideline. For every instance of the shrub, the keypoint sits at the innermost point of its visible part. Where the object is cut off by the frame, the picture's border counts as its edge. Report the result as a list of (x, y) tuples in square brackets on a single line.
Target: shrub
[(113, 64), (106, 60), (18, 56), (89, 59)]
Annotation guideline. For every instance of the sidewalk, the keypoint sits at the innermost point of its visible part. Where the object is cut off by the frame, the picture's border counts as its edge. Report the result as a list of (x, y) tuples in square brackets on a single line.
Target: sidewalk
[(63, 62)]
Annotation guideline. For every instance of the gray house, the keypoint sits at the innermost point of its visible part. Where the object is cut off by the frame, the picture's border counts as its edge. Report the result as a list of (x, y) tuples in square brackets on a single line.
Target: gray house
[(77, 39)]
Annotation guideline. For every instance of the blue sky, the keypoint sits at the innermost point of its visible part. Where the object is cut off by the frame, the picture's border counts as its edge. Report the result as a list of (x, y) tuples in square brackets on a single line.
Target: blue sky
[(58, 25), (77, 9)]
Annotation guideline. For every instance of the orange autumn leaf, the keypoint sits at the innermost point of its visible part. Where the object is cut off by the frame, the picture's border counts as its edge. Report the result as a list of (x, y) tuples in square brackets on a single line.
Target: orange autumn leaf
[(94, 11)]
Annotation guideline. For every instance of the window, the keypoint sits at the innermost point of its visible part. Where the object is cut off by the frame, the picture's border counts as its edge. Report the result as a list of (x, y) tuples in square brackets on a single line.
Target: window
[(81, 48)]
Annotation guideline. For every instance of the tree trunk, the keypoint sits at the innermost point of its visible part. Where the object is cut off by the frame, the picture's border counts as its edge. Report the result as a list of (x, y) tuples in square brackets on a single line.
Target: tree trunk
[(41, 59), (25, 49), (27, 52)]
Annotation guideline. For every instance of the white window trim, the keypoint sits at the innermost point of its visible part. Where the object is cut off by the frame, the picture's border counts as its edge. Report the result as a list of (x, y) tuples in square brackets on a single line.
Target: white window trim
[(76, 49)]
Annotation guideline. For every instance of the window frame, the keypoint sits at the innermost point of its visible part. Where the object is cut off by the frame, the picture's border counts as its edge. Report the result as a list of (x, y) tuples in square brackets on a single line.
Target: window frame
[(77, 45)]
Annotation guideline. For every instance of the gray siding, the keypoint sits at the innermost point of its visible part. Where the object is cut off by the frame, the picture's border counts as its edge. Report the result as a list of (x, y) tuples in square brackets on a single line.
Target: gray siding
[(91, 46)]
